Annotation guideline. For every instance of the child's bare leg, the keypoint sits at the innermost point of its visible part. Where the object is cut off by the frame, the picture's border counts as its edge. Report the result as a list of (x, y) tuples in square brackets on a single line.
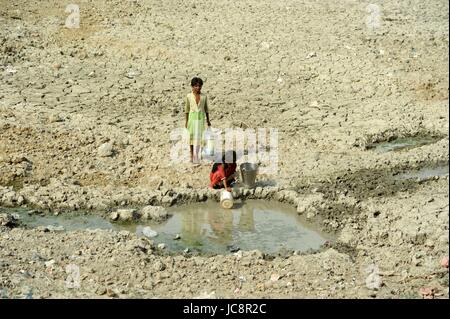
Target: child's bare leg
[(197, 153), (195, 157)]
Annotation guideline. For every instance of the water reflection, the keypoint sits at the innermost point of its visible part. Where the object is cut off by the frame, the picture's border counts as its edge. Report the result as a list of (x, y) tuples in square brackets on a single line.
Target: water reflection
[(192, 227), (221, 224), (246, 220), (215, 224)]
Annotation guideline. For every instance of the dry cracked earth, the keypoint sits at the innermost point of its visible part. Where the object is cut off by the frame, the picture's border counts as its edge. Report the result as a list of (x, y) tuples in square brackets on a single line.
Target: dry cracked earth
[(86, 116)]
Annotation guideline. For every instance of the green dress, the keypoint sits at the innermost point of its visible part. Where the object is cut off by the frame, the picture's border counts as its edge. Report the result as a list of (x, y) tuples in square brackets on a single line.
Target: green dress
[(196, 118)]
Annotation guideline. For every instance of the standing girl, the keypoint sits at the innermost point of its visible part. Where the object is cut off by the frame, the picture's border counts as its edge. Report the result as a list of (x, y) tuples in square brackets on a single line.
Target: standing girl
[(196, 110)]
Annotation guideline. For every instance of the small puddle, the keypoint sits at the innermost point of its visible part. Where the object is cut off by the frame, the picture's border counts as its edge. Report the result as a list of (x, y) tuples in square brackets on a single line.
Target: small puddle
[(207, 228), (425, 172), (403, 143)]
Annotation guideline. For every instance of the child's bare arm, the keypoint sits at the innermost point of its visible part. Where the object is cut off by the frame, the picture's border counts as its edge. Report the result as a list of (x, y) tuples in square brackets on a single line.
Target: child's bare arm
[(225, 184), (207, 111), (234, 175), (186, 110)]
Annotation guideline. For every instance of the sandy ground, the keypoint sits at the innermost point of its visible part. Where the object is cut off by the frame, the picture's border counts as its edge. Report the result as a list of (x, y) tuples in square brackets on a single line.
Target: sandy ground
[(314, 70)]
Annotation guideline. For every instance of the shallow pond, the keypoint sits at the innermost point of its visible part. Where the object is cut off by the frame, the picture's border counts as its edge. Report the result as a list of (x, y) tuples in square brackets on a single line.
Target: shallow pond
[(207, 228), (403, 143), (425, 172)]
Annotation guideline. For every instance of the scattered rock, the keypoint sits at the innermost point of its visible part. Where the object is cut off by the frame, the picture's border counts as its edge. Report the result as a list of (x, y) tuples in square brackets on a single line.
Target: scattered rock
[(310, 215), (100, 291), (155, 213), (53, 118), (148, 232), (114, 216), (8, 220), (111, 293), (274, 277), (10, 69), (55, 228), (233, 248), (373, 281), (148, 284), (206, 295), (427, 292), (265, 45), (124, 214), (159, 266), (124, 233), (105, 150)]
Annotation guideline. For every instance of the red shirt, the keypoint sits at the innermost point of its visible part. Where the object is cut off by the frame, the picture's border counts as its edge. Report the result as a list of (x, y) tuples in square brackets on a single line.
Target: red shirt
[(221, 173)]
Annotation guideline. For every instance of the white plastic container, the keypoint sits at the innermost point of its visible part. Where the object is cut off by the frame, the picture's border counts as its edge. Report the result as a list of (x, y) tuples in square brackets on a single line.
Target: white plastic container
[(226, 199), (210, 141)]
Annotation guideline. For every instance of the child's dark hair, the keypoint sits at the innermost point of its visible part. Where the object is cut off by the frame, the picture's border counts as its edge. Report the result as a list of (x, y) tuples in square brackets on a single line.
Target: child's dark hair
[(225, 160), (196, 81)]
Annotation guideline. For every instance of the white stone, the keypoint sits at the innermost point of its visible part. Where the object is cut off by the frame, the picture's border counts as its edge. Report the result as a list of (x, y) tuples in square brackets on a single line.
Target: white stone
[(310, 215), (156, 213), (105, 150), (148, 232), (127, 214), (373, 281)]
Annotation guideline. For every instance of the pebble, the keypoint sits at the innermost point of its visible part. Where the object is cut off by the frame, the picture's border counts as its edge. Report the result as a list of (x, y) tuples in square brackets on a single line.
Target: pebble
[(110, 293), (148, 232), (100, 291), (310, 215), (373, 281), (275, 277), (105, 150), (55, 228), (159, 266)]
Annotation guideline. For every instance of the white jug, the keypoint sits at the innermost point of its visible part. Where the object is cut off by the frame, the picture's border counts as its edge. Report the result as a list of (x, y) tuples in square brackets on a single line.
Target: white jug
[(226, 199), (210, 141)]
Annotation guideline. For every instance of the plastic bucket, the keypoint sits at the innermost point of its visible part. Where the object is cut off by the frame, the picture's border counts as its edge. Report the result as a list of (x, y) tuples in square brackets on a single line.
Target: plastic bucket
[(248, 174), (226, 199)]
